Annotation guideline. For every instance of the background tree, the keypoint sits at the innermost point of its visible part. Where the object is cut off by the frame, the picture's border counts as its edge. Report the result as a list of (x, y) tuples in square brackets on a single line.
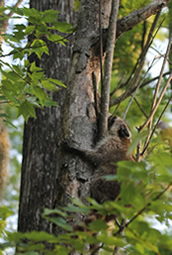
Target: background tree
[(44, 132)]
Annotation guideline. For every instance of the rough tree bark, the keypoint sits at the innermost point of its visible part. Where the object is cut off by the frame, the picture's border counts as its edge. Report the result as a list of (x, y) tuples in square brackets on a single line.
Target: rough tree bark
[(40, 166), (79, 112), (51, 177)]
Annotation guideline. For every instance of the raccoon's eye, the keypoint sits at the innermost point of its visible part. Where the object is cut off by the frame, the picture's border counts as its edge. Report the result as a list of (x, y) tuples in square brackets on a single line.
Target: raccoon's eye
[(111, 121), (123, 132)]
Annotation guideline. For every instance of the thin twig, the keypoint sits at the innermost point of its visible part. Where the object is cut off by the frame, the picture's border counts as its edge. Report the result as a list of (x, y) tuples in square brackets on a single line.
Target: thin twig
[(119, 85), (161, 73), (142, 210), (97, 249), (4, 102), (138, 86), (153, 79), (140, 107), (140, 63), (153, 131), (157, 104), (144, 34), (28, 46), (143, 53)]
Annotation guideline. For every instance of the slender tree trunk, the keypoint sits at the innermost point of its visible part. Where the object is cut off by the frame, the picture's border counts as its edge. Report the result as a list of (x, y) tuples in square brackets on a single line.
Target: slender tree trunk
[(80, 120), (40, 166)]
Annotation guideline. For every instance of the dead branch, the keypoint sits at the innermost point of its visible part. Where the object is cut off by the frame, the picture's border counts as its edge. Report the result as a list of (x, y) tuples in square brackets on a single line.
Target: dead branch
[(153, 131), (15, 6), (157, 104), (137, 88), (139, 65), (157, 91), (119, 85), (137, 16), (153, 79), (140, 107)]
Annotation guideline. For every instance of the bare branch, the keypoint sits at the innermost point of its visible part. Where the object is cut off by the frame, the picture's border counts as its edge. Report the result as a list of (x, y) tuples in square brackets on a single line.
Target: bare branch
[(140, 107), (139, 65), (137, 88), (153, 79), (137, 16), (156, 93), (119, 85), (105, 89), (15, 6), (153, 131), (144, 34), (157, 104)]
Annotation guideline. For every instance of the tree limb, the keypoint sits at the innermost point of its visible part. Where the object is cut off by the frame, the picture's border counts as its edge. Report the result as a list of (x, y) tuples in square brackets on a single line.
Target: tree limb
[(141, 60), (105, 89), (119, 99), (137, 16)]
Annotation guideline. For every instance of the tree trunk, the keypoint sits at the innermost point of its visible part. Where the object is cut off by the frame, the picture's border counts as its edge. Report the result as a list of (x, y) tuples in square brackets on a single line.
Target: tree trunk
[(40, 166), (80, 120)]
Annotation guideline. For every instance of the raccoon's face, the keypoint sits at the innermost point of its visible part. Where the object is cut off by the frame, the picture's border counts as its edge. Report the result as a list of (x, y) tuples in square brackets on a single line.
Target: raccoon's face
[(118, 127)]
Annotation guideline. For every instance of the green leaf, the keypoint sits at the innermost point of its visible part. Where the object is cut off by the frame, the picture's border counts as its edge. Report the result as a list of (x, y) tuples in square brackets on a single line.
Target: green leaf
[(26, 109), (40, 236), (51, 212), (49, 16), (30, 29), (61, 223), (40, 94), (63, 27), (39, 47), (48, 85), (136, 139), (57, 82), (57, 38), (76, 209), (34, 68), (98, 225), (61, 250), (110, 240)]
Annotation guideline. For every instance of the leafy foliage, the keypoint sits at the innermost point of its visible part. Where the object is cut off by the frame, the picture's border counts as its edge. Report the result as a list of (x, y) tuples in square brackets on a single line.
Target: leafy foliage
[(24, 85), (126, 223)]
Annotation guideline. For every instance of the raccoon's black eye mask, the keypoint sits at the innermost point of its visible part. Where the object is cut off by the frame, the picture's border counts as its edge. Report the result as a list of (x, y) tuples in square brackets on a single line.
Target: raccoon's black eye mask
[(123, 132), (111, 121)]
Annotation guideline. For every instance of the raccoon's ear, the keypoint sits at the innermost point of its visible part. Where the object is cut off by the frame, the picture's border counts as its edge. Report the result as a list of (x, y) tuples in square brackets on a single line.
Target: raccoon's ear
[(124, 132), (111, 121)]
